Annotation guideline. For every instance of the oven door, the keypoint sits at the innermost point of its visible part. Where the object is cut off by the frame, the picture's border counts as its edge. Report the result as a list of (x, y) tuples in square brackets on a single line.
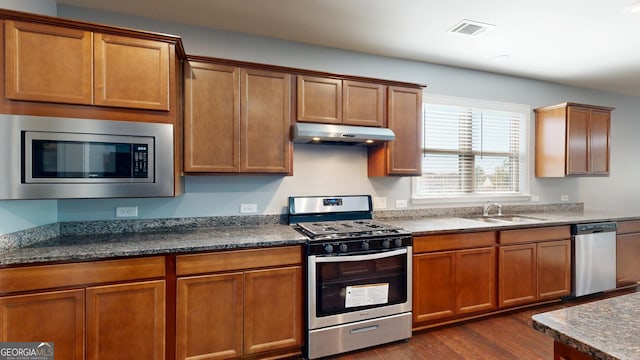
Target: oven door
[(348, 288)]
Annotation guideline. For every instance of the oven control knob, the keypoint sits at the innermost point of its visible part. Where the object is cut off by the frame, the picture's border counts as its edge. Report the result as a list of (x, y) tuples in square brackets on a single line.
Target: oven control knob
[(343, 247), (398, 242), (365, 245), (328, 248), (386, 244)]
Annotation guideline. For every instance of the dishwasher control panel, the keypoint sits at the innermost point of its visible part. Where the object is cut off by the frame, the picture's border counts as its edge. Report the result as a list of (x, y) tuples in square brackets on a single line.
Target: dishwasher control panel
[(593, 228)]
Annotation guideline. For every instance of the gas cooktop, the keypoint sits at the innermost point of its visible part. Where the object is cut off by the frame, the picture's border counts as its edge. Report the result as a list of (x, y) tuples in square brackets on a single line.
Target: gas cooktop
[(347, 229), (343, 224)]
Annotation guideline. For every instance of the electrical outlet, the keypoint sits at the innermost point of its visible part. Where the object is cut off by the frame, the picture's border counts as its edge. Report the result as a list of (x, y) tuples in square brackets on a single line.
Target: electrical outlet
[(564, 198), (401, 204), (535, 198), (248, 208), (379, 202), (126, 211)]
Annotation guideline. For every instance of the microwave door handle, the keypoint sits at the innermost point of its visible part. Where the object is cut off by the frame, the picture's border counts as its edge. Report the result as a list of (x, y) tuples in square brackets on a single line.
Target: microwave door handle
[(381, 255)]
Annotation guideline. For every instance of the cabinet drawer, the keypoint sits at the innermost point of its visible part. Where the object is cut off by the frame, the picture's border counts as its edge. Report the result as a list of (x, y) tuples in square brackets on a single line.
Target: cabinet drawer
[(74, 274), (535, 234), (453, 241), (237, 260), (627, 227)]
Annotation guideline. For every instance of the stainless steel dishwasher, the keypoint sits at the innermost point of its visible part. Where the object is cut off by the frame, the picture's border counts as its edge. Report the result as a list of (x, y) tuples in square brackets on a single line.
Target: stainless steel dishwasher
[(594, 257)]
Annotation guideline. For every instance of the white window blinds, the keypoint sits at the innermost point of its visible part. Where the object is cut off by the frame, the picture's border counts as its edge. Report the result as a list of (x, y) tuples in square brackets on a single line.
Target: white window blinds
[(471, 149)]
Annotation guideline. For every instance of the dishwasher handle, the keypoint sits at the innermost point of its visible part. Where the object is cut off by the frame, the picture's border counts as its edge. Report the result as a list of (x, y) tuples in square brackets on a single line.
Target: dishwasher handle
[(579, 229)]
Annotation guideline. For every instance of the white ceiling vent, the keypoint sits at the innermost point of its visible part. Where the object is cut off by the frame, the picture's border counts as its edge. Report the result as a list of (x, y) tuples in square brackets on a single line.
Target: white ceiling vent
[(471, 28)]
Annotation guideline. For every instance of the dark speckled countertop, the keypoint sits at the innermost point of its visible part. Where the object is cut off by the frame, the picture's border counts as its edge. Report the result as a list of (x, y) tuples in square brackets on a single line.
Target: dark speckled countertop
[(608, 329), (186, 236), (102, 246), (433, 225)]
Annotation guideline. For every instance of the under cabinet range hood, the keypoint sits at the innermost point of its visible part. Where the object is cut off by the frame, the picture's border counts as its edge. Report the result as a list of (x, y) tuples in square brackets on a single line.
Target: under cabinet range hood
[(313, 133)]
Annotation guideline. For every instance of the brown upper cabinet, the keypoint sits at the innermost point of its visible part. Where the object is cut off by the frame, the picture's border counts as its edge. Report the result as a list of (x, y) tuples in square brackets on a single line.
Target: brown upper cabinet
[(402, 156), (236, 119), (130, 72), (64, 68), (335, 101), (58, 64), (64, 74), (572, 140)]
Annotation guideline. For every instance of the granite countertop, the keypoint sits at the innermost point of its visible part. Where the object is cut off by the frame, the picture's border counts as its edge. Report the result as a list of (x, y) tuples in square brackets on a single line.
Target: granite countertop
[(608, 329), (238, 235), (439, 225), (102, 246)]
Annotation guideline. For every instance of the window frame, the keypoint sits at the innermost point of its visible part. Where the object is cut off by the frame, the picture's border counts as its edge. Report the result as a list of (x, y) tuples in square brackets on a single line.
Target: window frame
[(525, 157)]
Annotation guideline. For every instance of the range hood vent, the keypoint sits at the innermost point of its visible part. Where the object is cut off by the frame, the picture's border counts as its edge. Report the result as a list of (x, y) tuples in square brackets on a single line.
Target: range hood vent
[(312, 133)]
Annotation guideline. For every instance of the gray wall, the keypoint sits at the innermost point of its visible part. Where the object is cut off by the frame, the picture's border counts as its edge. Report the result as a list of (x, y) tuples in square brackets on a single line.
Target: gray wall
[(340, 170), (19, 215)]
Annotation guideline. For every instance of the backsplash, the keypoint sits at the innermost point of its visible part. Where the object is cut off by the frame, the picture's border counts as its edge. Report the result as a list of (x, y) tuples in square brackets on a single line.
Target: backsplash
[(29, 236), (473, 210)]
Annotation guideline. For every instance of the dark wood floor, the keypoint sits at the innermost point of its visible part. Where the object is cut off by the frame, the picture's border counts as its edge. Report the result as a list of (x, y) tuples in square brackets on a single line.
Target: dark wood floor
[(507, 336)]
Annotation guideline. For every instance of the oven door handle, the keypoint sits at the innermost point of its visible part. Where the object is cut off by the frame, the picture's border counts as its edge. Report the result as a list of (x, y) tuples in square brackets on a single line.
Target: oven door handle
[(344, 258)]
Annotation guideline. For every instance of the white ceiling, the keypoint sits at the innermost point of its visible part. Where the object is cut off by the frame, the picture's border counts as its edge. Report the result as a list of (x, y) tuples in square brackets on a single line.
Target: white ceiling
[(586, 43)]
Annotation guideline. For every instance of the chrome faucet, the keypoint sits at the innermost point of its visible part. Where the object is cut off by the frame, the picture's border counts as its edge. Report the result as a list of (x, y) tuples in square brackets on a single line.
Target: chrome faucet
[(489, 205)]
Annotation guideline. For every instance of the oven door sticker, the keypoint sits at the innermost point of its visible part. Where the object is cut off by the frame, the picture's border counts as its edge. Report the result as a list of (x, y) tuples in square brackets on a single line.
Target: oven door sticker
[(363, 295)]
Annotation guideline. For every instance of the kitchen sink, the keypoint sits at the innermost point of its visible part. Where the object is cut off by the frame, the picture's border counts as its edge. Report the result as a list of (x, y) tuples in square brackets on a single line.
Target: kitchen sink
[(497, 219)]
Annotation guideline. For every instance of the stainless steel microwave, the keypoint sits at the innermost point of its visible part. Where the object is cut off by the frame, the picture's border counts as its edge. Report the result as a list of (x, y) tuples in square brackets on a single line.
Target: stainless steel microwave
[(53, 158)]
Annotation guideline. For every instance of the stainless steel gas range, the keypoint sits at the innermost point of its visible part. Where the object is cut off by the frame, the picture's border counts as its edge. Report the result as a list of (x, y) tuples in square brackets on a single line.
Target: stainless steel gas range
[(359, 274)]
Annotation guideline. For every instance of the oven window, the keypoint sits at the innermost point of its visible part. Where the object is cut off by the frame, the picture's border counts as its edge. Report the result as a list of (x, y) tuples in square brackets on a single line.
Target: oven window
[(348, 286), (78, 159)]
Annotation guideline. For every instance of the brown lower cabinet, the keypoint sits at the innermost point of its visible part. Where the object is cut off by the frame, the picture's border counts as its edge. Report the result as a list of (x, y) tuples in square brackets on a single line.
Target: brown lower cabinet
[(247, 302), (466, 275), (452, 283), (122, 319), (566, 352), (56, 316), (628, 253), (228, 304), (126, 321), (537, 267)]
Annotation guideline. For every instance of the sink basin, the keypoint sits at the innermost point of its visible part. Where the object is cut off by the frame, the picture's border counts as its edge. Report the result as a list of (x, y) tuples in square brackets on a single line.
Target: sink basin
[(503, 218)]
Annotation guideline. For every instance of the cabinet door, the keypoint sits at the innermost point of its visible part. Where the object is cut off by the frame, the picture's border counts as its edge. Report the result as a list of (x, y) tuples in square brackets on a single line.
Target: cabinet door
[(209, 317), (402, 156), (475, 280), (628, 253), (577, 141), (48, 63), (265, 120), (434, 286), (126, 321), (319, 100), (212, 118), (554, 269), (599, 142), (362, 103), (131, 72), (517, 275), (272, 309), (56, 317)]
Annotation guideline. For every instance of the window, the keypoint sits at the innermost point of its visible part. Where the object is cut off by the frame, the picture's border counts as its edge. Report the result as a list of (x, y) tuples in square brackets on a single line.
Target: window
[(473, 149)]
